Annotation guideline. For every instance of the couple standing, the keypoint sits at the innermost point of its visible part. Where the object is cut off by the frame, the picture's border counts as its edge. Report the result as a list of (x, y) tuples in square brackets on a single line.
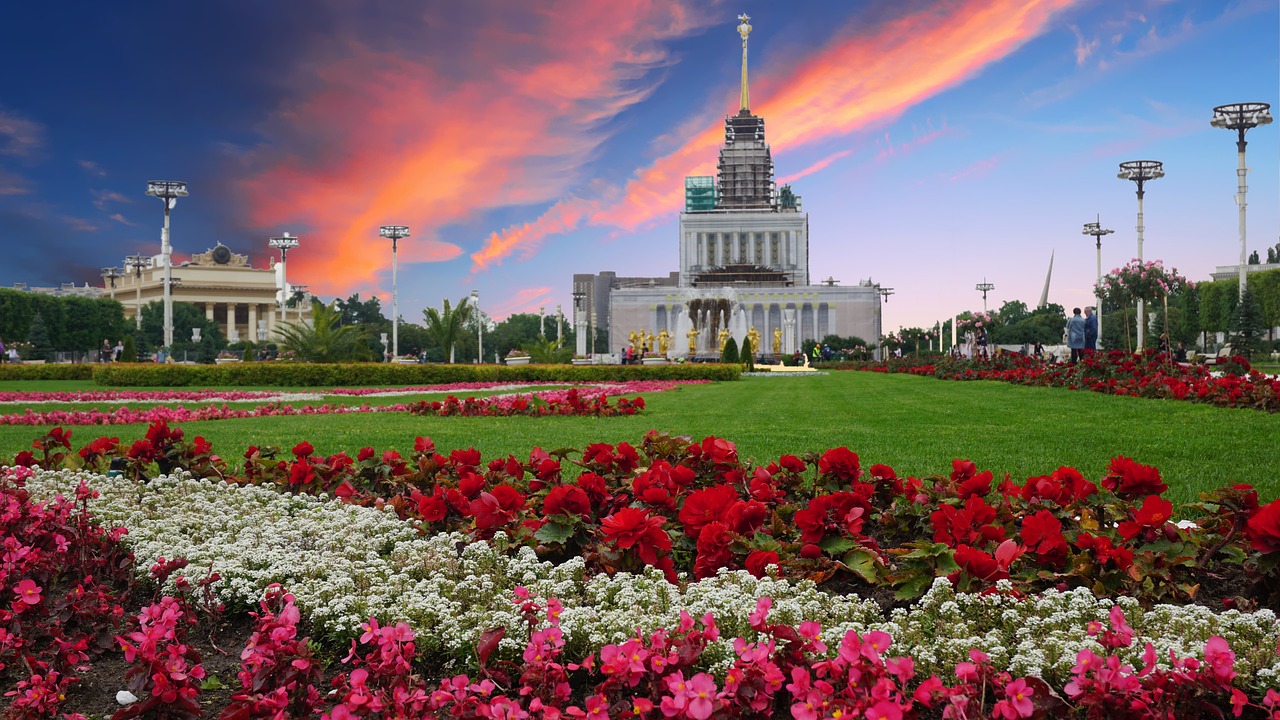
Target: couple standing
[(1082, 333)]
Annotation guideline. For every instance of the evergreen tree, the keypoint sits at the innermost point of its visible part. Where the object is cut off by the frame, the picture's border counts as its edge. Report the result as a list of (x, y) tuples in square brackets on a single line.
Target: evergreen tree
[(748, 354), (1271, 254), (1247, 326), (129, 353), (38, 336), (730, 354), (142, 349)]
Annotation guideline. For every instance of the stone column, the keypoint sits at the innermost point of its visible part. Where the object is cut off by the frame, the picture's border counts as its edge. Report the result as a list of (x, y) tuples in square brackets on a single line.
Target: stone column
[(208, 311), (231, 319), (253, 322), (816, 337), (789, 343)]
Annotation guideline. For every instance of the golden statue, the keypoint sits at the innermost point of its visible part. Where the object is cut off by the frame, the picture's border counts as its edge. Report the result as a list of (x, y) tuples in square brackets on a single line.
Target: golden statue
[(693, 341), (754, 336), (724, 339), (664, 339), (777, 341), (648, 341), (632, 337)]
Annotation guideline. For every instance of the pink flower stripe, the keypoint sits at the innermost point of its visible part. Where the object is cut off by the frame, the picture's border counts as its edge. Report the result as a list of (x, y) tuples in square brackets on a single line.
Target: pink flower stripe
[(497, 405), (85, 396)]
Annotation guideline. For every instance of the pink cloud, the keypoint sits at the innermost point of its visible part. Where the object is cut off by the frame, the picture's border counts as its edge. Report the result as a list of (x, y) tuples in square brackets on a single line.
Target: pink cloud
[(428, 140), (816, 167), (18, 135), (977, 170), (898, 64), (525, 300), (80, 224)]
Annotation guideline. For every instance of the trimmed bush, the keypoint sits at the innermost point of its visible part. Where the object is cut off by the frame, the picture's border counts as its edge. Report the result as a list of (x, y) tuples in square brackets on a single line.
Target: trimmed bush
[(12, 371), (730, 354), (748, 354), (372, 374)]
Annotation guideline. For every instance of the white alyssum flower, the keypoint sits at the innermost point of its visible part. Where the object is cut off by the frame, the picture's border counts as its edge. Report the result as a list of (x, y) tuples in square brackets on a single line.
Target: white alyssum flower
[(346, 563)]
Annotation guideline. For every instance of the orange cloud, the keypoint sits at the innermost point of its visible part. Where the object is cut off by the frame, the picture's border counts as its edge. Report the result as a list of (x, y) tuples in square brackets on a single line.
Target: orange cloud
[(816, 167), (506, 118), (856, 81), (525, 300), (562, 217)]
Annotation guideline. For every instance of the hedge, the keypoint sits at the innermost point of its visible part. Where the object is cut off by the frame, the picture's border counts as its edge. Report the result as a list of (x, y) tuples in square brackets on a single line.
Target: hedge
[(371, 374), (15, 371)]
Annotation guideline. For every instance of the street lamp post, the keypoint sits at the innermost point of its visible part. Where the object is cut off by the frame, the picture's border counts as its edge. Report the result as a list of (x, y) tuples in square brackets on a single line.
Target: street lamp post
[(542, 322), (475, 308), (136, 263), (169, 191), (395, 233), (984, 287), (1241, 117), (579, 322), (284, 244), (1141, 171), (559, 324), (110, 274), (1095, 229), (885, 292)]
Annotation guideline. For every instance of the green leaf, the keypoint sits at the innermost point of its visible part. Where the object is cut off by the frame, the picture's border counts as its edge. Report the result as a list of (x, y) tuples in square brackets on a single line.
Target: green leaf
[(913, 588), (555, 532), (837, 545), (863, 562), (211, 683)]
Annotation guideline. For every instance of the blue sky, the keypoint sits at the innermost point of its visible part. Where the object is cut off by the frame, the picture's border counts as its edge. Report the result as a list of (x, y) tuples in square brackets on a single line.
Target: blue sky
[(937, 143)]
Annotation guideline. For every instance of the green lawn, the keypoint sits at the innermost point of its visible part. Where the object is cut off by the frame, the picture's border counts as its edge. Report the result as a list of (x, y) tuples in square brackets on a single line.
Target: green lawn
[(917, 425)]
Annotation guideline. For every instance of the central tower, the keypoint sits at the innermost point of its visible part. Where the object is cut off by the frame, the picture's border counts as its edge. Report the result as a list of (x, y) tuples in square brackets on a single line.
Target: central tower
[(746, 167)]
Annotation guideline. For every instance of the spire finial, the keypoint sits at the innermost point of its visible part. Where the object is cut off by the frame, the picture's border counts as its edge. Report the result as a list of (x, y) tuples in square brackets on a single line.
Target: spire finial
[(744, 29)]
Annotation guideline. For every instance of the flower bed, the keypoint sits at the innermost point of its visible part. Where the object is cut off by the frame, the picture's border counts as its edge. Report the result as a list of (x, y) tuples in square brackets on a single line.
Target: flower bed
[(379, 565), (1149, 375), (547, 402)]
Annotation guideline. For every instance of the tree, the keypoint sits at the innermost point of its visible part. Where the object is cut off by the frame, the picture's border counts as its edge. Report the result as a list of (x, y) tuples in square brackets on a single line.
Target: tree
[(128, 353), (730, 354), (1012, 311), (38, 336), (1247, 326), (748, 354), (1271, 254), (325, 340), (186, 317), (446, 324), (1253, 258)]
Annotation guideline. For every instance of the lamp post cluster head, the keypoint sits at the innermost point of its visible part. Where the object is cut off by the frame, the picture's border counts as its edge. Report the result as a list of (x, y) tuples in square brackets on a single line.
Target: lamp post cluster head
[(1095, 229), (284, 244), (394, 232), (136, 263), (984, 287), (1140, 171), (885, 292), (110, 274), (167, 190), (1241, 117)]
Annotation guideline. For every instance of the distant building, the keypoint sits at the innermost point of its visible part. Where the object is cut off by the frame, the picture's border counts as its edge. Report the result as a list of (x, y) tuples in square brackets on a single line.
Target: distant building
[(244, 300), (63, 290), (744, 264), (1232, 272)]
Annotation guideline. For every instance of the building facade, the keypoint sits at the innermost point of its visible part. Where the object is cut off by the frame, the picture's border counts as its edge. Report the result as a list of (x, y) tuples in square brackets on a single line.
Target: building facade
[(744, 266), (245, 301)]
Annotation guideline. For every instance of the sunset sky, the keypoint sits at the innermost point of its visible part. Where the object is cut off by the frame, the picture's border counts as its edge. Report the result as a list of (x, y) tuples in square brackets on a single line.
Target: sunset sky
[(934, 143)]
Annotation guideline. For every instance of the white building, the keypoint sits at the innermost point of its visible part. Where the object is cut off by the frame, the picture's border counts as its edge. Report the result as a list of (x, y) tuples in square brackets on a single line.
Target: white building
[(744, 264)]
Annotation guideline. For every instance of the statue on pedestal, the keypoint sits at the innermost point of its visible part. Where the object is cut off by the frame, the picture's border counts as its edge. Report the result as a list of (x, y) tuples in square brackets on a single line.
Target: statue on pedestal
[(754, 336), (647, 341), (664, 339), (632, 338), (777, 341), (693, 341), (724, 338)]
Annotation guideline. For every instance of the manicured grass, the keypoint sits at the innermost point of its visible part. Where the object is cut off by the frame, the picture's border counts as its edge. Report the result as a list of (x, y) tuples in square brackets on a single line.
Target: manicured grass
[(917, 425)]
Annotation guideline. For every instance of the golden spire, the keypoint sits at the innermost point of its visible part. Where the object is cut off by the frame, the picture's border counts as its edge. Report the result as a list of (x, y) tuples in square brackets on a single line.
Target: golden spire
[(744, 29)]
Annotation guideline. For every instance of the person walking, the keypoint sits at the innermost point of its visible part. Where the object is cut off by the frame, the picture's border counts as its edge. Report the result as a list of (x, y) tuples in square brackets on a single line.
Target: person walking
[(1075, 335), (982, 342), (1090, 329), (118, 352), (104, 353)]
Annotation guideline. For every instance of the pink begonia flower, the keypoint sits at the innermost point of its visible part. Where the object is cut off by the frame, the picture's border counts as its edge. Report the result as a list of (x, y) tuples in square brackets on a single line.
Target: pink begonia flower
[(28, 591), (884, 710), (761, 613), (1220, 657), (875, 643), (702, 695), (1019, 695), (924, 693)]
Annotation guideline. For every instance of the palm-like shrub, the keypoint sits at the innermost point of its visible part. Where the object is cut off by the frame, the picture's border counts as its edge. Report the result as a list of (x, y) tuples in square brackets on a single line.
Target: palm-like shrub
[(445, 325), (545, 351), (325, 340)]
